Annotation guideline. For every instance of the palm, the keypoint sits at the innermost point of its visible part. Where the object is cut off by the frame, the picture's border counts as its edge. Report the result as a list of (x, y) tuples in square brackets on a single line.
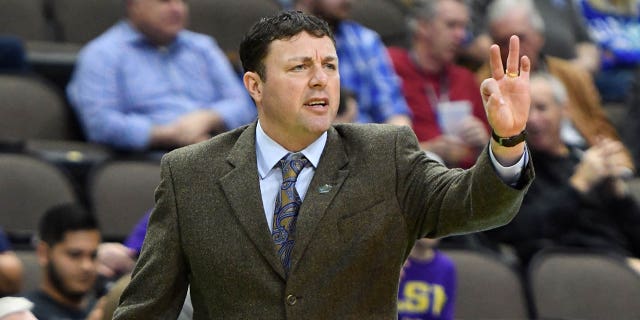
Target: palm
[(506, 96)]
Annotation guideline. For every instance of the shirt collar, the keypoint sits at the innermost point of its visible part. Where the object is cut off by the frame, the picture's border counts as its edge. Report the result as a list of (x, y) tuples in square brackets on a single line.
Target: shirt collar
[(269, 152)]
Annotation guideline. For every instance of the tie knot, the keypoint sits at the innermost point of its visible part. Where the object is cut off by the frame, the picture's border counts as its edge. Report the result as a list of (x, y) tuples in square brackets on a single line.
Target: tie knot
[(292, 164)]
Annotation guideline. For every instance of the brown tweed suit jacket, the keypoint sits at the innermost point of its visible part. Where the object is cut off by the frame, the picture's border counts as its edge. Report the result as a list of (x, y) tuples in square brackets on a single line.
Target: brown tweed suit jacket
[(208, 228)]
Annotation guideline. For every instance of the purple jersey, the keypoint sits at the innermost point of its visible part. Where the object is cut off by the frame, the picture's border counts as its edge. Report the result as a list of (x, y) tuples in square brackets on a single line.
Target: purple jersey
[(428, 289)]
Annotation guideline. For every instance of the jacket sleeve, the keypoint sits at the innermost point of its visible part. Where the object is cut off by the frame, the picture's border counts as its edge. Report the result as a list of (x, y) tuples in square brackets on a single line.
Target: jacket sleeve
[(159, 282), (437, 201)]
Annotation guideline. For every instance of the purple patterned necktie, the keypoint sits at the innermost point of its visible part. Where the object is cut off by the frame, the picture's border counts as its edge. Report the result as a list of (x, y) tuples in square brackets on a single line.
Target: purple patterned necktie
[(287, 206)]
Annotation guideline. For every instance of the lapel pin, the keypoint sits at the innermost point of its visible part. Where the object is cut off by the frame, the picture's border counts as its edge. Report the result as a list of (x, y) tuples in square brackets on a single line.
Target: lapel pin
[(324, 188)]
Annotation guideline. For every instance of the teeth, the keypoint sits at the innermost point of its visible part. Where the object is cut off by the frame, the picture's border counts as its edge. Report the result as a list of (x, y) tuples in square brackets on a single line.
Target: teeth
[(316, 103)]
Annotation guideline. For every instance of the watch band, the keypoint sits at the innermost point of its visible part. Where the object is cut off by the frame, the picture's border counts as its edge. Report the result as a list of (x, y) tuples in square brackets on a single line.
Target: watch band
[(509, 141)]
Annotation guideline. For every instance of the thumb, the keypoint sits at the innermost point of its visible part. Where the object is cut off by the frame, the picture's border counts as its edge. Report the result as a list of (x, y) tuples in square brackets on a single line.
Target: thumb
[(490, 91)]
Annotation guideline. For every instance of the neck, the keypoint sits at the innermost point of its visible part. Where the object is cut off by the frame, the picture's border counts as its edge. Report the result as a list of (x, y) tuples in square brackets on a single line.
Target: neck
[(292, 141), (424, 59), (73, 302)]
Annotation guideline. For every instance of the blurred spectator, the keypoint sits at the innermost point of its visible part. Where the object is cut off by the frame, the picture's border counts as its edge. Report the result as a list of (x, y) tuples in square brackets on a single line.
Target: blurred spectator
[(365, 67), (14, 308), (448, 116), (615, 26), (10, 268), (149, 83), (428, 284), (565, 34), (579, 198), (67, 248), (586, 123), (12, 55)]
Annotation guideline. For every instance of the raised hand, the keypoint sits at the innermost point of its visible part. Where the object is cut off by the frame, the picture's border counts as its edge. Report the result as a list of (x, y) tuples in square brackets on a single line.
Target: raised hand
[(507, 98)]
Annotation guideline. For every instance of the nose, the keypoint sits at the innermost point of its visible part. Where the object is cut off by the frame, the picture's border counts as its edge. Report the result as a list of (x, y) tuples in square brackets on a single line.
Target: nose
[(88, 264), (319, 78), (460, 33), (534, 117)]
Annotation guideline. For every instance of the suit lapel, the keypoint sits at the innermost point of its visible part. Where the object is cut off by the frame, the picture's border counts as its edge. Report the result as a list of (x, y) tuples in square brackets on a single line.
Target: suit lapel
[(326, 183), (242, 190)]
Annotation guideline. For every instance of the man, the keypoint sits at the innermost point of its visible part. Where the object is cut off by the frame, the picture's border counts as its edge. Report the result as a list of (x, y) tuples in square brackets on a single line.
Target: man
[(578, 198), (147, 83), (67, 249), (226, 217), (435, 87), (365, 68), (586, 122)]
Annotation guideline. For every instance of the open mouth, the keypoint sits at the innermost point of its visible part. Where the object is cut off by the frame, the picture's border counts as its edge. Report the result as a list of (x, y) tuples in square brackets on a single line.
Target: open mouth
[(317, 103)]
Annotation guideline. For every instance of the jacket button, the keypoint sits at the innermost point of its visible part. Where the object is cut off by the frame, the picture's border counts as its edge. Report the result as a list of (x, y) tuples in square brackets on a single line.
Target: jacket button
[(291, 299)]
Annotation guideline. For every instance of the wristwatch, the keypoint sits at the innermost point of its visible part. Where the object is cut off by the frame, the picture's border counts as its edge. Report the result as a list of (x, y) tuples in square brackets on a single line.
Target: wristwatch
[(509, 141)]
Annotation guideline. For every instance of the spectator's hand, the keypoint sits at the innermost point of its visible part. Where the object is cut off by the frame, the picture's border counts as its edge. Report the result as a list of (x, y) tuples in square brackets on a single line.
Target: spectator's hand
[(114, 259), (450, 148), (197, 126), (507, 99), (399, 120), (603, 160), (473, 132)]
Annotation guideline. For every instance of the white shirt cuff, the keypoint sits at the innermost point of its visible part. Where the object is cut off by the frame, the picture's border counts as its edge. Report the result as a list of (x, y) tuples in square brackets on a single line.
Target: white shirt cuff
[(510, 175)]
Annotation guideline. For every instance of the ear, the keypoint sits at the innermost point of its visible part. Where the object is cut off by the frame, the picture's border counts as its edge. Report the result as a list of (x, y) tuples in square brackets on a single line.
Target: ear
[(253, 84), (42, 252)]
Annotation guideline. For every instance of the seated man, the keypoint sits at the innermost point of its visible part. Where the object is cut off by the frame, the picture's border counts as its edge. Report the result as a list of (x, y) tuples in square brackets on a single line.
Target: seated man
[(578, 198), (67, 249), (448, 116), (147, 83)]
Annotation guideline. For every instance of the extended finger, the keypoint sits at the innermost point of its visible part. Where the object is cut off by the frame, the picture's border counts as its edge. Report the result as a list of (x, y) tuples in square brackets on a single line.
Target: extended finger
[(525, 67), (495, 62), (513, 57)]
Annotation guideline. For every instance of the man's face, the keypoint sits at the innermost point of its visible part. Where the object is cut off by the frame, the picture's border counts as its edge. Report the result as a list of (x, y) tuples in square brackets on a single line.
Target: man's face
[(545, 118), (332, 11), (71, 264), (298, 98), (446, 32), (158, 20), (518, 23)]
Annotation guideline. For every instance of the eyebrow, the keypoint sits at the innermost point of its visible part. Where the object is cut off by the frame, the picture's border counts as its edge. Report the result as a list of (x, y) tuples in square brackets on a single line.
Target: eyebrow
[(306, 59)]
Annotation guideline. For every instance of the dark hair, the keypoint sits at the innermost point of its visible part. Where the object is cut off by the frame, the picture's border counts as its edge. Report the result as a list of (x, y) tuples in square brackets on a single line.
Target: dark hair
[(64, 218), (283, 25)]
